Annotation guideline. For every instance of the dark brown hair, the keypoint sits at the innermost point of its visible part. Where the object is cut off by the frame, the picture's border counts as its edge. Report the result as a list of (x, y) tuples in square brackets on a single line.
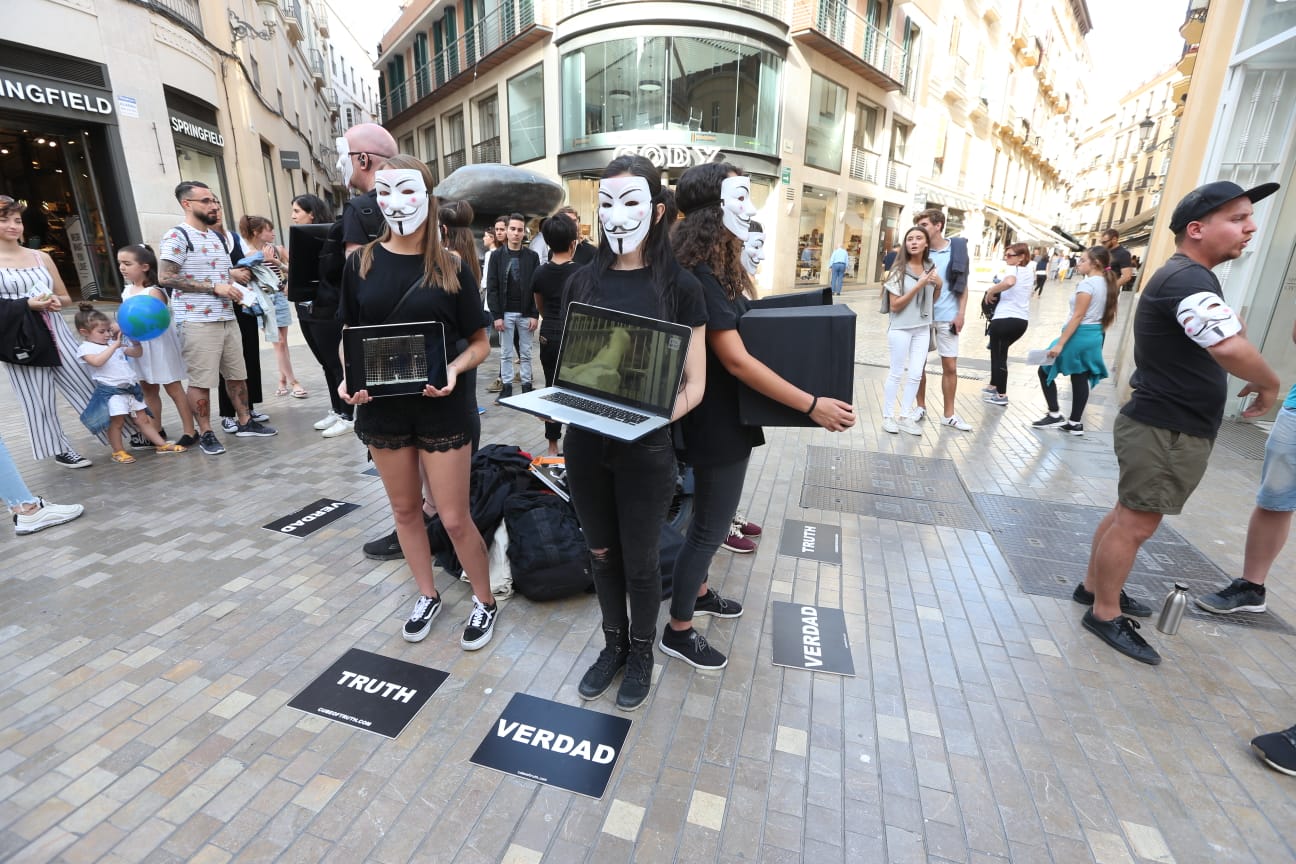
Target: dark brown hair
[(456, 219), (10, 205), (1101, 256), (701, 237), (250, 226), (936, 217), (87, 316)]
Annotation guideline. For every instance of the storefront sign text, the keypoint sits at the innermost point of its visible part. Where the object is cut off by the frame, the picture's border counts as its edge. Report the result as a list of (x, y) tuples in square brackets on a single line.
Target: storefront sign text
[(671, 155), (13, 88), (197, 131)]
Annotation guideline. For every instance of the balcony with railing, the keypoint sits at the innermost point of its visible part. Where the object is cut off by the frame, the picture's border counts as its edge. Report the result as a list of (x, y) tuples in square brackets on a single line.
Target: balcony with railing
[(436, 174), (866, 165), (292, 16), (486, 151), (776, 9), (897, 176), (331, 102), (185, 11), (316, 58), (455, 160), (322, 19), (504, 32), (833, 28)]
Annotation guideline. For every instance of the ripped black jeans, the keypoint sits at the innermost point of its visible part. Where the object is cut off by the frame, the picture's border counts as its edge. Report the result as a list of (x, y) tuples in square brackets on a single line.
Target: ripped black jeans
[(622, 492)]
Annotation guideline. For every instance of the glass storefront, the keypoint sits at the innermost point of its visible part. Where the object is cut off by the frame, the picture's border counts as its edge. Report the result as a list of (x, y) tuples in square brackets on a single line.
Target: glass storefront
[(858, 227), (688, 90), (526, 115), (889, 237), (818, 210)]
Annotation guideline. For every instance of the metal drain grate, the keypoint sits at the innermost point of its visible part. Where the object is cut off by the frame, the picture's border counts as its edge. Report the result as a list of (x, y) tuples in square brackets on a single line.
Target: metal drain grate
[(1047, 545), (887, 486), (892, 507), (1244, 439)]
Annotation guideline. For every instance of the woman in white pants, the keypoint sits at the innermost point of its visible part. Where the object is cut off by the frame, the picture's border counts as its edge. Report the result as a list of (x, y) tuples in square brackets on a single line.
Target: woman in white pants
[(910, 289)]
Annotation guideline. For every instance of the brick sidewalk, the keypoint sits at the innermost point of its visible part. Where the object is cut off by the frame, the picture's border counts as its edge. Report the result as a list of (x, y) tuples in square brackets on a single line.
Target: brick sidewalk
[(149, 651)]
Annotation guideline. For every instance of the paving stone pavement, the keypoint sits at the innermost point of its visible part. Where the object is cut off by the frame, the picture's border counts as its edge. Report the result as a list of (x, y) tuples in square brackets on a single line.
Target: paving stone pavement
[(148, 653)]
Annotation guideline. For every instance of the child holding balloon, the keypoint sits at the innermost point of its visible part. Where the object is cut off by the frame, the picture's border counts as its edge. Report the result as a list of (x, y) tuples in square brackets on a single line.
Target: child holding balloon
[(117, 390), (161, 365)]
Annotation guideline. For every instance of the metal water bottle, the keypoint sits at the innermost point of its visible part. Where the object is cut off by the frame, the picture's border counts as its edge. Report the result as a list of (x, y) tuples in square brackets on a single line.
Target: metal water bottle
[(1173, 611)]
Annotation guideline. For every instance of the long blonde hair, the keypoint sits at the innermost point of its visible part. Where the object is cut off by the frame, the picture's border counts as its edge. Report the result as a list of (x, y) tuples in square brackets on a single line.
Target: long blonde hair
[(440, 265)]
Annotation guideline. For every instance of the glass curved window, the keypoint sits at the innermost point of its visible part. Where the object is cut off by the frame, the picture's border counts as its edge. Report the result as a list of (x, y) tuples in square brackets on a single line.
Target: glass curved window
[(685, 90)]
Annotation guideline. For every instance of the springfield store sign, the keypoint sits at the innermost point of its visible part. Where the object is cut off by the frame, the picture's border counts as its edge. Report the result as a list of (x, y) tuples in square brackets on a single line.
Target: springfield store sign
[(197, 131), (36, 94)]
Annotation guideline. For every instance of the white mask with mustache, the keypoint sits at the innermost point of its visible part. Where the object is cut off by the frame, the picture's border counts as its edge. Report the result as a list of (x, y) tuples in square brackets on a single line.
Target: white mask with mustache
[(344, 161), (753, 252), (735, 201), (402, 198), (625, 212)]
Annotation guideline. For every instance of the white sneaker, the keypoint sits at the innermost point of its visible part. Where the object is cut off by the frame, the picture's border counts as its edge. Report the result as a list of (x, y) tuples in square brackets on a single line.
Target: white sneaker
[(326, 421), (889, 425), (919, 414), (907, 425), (47, 516), (339, 428), (957, 422)]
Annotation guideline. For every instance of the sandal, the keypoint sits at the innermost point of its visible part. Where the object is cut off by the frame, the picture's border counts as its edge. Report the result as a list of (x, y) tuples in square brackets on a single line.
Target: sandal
[(298, 391), (121, 457), (282, 391), (170, 447)]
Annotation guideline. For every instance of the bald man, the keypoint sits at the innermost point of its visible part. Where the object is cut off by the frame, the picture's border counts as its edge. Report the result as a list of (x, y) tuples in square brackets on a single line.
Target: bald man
[(361, 152)]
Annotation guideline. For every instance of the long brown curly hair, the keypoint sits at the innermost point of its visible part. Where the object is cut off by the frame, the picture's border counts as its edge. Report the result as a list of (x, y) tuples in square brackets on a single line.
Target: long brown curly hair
[(701, 237)]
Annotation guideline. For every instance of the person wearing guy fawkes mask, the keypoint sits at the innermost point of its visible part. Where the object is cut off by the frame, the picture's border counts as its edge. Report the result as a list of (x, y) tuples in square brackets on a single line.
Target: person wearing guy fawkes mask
[(406, 276)]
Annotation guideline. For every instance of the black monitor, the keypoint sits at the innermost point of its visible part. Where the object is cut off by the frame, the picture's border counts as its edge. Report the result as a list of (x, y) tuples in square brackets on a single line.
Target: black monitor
[(304, 245), (813, 297)]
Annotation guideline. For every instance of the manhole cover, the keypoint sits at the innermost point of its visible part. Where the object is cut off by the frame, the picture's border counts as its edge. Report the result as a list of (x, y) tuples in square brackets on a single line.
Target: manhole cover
[(948, 513), (1244, 439), (884, 474), (1046, 545)]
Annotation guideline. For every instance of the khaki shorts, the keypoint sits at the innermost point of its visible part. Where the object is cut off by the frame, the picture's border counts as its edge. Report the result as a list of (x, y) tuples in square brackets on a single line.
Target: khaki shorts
[(947, 343), (1159, 468), (212, 349)]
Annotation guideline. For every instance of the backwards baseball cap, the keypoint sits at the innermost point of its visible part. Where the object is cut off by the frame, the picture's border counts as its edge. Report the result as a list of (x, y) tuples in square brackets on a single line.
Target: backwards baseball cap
[(1205, 200)]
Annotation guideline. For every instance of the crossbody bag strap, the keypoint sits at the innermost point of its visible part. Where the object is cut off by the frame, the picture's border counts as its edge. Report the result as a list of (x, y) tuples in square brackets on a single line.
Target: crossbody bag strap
[(401, 301)]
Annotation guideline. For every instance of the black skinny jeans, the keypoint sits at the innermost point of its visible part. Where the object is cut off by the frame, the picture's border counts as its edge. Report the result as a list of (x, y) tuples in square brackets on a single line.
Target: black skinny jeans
[(1003, 333), (621, 492), (549, 362), (323, 337), (1079, 393), (717, 490)]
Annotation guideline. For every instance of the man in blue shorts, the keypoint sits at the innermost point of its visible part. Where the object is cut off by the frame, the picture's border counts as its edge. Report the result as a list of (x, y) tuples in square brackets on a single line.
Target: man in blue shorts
[(1186, 343)]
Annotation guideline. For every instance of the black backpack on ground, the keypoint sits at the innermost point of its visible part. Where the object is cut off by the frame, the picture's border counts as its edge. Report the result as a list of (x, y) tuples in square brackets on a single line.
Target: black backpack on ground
[(547, 553)]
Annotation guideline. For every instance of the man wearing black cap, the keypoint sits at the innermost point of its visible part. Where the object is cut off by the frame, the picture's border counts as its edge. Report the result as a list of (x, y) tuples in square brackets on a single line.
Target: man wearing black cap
[(1186, 343)]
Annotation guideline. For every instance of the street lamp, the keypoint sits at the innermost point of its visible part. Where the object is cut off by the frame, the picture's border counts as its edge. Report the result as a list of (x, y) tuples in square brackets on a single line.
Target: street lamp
[(241, 29), (1145, 129)]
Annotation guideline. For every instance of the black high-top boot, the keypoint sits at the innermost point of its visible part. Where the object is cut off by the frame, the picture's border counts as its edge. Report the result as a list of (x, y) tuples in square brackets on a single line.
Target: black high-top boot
[(596, 680), (638, 675)]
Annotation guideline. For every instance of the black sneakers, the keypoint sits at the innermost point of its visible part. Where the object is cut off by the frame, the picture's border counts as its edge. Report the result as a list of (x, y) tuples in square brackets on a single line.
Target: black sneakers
[(691, 647), (598, 678), (1071, 428), (72, 459), (208, 444), (254, 429), (384, 548), (713, 604), (1128, 605), (1121, 633), (1239, 596), (638, 675), (139, 442), (1049, 421), (186, 441), (1278, 750), (420, 620), (480, 627)]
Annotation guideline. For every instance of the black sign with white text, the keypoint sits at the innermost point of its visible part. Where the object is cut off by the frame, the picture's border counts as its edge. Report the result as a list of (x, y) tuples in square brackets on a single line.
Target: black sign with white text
[(811, 540), (370, 692), (311, 518), (811, 637), (558, 745)]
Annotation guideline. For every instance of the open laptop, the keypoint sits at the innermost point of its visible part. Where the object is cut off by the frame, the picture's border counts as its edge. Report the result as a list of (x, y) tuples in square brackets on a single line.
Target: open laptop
[(617, 373)]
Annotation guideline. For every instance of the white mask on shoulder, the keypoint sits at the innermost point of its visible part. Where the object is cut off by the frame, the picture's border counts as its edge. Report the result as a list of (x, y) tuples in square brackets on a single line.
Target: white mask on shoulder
[(625, 212), (402, 198), (735, 201)]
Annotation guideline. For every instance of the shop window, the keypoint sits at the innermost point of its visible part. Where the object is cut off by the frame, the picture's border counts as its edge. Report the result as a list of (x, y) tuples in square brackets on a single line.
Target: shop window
[(825, 124), (526, 115), (817, 218), (685, 90), (867, 116)]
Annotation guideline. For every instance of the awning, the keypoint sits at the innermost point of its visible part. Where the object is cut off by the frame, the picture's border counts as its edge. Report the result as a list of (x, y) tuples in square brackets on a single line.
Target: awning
[(947, 197), (1025, 229), (1143, 221)]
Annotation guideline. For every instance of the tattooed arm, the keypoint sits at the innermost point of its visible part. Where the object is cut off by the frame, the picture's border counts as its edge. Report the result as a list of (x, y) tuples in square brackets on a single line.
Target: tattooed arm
[(169, 276)]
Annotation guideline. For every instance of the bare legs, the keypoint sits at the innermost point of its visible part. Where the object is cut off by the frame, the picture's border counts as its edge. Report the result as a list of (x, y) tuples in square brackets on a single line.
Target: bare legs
[(287, 377), (153, 399), (1266, 536), (1111, 556), (949, 386)]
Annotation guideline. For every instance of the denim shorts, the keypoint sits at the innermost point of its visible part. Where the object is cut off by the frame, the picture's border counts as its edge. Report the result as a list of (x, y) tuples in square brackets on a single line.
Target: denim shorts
[(282, 309), (1278, 477)]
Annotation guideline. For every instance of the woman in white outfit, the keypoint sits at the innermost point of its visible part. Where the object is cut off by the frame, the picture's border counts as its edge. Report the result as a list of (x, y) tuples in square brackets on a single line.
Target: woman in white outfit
[(910, 289)]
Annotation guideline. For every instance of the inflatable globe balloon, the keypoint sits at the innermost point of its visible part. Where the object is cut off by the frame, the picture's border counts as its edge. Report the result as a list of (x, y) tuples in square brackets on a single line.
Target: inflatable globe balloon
[(143, 317)]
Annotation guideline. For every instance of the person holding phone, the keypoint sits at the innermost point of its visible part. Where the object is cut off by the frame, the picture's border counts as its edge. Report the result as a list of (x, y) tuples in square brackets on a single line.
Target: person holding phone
[(909, 292), (950, 257), (1011, 317)]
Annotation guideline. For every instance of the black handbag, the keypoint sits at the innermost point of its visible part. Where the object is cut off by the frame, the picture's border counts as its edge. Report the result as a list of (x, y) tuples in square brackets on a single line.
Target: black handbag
[(25, 338)]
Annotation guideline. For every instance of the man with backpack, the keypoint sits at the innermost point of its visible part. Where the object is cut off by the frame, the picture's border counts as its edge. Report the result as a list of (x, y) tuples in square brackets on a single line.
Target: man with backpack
[(950, 256)]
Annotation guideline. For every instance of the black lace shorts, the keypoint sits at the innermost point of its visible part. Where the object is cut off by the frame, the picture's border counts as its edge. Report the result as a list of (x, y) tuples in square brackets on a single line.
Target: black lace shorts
[(435, 425)]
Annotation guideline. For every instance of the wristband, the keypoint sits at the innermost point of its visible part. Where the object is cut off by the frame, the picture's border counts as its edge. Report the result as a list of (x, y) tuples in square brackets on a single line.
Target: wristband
[(810, 410)]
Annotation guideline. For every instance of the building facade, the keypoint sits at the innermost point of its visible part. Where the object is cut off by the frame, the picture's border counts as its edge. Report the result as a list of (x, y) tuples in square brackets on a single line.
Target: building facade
[(105, 105)]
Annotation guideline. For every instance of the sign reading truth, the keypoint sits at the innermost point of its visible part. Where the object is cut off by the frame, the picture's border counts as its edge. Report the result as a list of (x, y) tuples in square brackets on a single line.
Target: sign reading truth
[(311, 518), (370, 692), (811, 637), (811, 540), (558, 745)]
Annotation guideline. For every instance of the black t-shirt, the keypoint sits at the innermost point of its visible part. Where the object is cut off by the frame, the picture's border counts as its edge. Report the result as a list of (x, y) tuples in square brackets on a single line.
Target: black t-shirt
[(548, 282), (370, 300), (584, 253), (361, 219), (513, 281), (711, 431), (1120, 259), (632, 291), (1177, 384)]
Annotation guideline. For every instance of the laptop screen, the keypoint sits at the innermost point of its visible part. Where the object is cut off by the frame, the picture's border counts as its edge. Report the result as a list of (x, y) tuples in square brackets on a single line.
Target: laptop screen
[(626, 358)]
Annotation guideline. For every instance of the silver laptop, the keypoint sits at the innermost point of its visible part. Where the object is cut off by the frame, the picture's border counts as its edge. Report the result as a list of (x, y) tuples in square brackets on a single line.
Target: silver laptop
[(617, 373)]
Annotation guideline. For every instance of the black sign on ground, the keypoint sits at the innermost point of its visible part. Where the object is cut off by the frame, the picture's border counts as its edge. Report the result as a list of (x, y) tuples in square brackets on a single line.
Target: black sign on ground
[(811, 637), (811, 540), (311, 518), (370, 692), (558, 745)]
